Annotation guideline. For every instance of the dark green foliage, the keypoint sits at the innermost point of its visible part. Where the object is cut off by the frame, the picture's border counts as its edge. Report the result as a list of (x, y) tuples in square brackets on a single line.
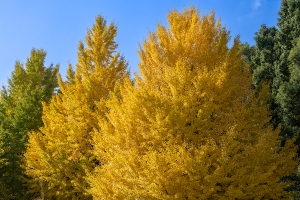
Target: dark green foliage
[(265, 55), (288, 23), (21, 112), (288, 96), (248, 52), (277, 61), (263, 63)]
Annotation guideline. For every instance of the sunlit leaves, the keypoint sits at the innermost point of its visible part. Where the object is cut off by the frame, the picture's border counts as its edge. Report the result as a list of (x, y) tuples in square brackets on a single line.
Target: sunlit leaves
[(190, 127), (60, 153)]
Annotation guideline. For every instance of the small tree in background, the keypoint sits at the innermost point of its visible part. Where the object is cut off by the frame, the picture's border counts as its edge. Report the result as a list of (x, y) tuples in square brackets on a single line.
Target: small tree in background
[(20, 112)]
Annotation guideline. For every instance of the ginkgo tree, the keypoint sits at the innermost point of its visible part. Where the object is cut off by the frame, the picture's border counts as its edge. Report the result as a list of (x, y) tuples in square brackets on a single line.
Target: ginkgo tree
[(191, 127), (59, 154)]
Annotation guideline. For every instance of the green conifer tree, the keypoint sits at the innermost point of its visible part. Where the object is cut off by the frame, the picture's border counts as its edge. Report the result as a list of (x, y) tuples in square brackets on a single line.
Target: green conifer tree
[(20, 112), (277, 61)]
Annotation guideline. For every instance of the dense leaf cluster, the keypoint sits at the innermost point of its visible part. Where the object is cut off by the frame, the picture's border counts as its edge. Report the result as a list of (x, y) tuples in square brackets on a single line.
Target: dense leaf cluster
[(201, 121)]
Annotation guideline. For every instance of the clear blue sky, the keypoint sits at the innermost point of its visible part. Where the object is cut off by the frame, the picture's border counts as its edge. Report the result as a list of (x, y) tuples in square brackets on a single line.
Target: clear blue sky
[(57, 26)]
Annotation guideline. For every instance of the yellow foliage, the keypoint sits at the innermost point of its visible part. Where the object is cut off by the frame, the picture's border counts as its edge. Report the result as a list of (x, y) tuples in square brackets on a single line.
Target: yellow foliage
[(60, 154), (190, 127)]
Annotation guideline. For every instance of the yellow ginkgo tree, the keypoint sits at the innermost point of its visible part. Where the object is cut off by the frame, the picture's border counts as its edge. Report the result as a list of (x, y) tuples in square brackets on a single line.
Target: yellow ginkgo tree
[(190, 127), (59, 155)]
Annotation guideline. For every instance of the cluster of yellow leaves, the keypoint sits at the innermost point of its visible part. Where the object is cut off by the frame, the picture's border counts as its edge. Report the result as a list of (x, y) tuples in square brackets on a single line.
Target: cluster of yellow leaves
[(191, 127), (60, 154)]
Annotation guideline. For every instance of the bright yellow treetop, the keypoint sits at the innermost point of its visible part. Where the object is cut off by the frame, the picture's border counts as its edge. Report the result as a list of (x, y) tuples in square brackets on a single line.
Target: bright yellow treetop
[(60, 153), (190, 127)]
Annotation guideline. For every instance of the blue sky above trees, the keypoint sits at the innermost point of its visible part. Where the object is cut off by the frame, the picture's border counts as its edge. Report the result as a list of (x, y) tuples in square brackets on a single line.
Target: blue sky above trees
[(57, 26)]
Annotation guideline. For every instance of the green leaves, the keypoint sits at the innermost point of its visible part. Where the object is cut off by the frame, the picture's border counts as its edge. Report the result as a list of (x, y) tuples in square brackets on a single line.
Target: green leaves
[(265, 55), (20, 112), (277, 61)]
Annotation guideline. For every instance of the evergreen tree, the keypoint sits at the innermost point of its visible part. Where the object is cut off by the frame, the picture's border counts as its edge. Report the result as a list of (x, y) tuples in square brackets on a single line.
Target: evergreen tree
[(248, 53), (286, 67), (21, 112), (60, 153), (263, 62), (288, 98), (277, 61), (265, 55), (191, 127)]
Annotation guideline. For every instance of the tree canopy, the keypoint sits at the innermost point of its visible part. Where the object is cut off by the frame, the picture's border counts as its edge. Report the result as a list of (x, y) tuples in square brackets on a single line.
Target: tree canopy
[(190, 127), (59, 154), (201, 120), (276, 61), (20, 112)]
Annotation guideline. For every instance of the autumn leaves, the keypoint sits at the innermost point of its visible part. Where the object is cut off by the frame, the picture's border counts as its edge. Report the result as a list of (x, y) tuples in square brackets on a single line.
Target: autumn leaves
[(189, 127)]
